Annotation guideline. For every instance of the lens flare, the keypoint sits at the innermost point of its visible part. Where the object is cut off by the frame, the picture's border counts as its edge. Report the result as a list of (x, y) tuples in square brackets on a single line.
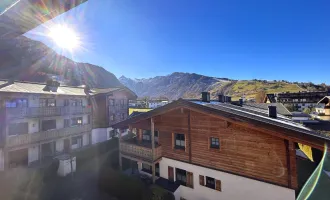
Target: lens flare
[(64, 37)]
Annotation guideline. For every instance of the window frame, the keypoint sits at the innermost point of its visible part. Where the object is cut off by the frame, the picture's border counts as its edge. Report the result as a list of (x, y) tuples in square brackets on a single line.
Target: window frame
[(214, 143), (182, 143)]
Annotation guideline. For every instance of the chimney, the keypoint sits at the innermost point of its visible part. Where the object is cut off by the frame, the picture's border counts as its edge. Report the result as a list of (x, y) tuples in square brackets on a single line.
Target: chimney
[(228, 99), (241, 102), (51, 85), (272, 112), (221, 98), (205, 97)]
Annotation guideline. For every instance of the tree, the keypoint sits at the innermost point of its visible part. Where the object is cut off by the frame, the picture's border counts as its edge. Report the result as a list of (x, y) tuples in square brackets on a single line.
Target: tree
[(260, 96), (307, 110)]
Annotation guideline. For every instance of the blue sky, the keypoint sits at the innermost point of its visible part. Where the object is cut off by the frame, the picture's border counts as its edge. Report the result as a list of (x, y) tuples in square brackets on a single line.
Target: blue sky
[(264, 39)]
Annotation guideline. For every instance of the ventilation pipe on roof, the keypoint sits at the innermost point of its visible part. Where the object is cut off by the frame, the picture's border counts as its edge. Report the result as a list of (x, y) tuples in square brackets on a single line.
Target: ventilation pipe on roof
[(205, 97), (228, 99), (241, 102), (272, 113), (221, 98)]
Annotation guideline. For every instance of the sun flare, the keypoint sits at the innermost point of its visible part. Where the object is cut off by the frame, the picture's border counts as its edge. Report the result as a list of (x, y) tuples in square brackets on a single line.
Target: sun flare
[(64, 37)]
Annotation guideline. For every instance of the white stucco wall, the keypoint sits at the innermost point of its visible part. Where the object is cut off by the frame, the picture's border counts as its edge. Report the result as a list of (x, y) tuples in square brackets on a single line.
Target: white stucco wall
[(99, 135), (85, 139), (33, 125), (232, 186), (33, 153), (59, 123), (59, 145)]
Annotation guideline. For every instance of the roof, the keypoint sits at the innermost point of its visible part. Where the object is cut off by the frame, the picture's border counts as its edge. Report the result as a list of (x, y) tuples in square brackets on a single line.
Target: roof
[(325, 100), (271, 98), (102, 90), (38, 88), (98, 91), (300, 114), (255, 116), (280, 108), (135, 113)]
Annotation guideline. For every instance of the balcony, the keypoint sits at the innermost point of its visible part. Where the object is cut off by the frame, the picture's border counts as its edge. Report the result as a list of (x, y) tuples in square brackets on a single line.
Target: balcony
[(46, 135), (46, 111), (141, 151), (118, 108)]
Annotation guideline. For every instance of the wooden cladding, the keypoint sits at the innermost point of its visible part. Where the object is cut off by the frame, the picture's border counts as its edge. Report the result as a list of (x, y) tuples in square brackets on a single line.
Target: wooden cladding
[(201, 180), (190, 179), (252, 153), (140, 152), (218, 185)]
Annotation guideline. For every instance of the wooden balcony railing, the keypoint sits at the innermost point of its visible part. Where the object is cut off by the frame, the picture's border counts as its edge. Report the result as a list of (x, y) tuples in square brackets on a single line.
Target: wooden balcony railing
[(140, 152), (46, 111), (46, 135)]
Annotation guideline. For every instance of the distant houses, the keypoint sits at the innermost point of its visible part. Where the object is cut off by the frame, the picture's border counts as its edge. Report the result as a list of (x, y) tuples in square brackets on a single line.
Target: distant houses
[(298, 101)]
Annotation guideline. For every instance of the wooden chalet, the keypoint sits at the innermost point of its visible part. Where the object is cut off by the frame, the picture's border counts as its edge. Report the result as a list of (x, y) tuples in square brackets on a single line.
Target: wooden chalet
[(213, 150)]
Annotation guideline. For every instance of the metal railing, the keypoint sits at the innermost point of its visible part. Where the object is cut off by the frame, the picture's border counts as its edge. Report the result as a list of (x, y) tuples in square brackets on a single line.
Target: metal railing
[(141, 152), (46, 135), (46, 111)]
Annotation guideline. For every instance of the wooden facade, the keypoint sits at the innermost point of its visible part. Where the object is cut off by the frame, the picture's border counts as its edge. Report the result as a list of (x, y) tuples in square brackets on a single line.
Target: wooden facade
[(244, 150), (106, 113)]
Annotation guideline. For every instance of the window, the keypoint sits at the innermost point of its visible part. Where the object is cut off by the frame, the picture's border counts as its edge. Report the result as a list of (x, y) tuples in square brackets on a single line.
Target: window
[(76, 142), (122, 102), (146, 168), (47, 102), (112, 117), (181, 176), (111, 102), (76, 121), (13, 103), (112, 133), (146, 136), (179, 141), (48, 124), (76, 102), (18, 128), (66, 123), (122, 116), (210, 182), (66, 102), (214, 143)]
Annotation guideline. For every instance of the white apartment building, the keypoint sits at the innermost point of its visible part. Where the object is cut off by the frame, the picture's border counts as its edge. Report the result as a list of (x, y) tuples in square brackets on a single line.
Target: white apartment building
[(40, 121)]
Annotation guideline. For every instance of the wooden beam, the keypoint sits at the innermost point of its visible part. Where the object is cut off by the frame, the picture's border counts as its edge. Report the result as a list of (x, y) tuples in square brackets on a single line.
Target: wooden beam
[(120, 159), (189, 136), (153, 149)]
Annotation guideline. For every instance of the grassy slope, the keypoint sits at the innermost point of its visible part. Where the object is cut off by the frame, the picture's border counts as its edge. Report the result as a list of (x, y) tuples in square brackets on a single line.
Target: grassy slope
[(250, 88)]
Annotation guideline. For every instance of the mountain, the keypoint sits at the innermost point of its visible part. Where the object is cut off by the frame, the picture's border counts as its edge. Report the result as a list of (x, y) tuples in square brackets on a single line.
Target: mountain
[(187, 85), (25, 59), (174, 86)]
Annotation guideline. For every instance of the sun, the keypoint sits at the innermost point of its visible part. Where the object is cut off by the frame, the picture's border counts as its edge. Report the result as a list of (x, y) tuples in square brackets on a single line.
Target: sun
[(64, 37)]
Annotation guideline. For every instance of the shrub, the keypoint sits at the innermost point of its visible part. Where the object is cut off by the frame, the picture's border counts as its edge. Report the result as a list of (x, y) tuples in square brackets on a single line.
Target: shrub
[(120, 185)]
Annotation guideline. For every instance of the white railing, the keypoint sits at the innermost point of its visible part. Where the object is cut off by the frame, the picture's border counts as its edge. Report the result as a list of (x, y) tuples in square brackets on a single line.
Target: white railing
[(46, 135), (46, 111)]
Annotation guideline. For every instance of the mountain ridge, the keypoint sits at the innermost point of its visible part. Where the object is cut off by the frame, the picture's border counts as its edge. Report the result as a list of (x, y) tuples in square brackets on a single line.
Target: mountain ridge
[(24, 59), (190, 85)]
